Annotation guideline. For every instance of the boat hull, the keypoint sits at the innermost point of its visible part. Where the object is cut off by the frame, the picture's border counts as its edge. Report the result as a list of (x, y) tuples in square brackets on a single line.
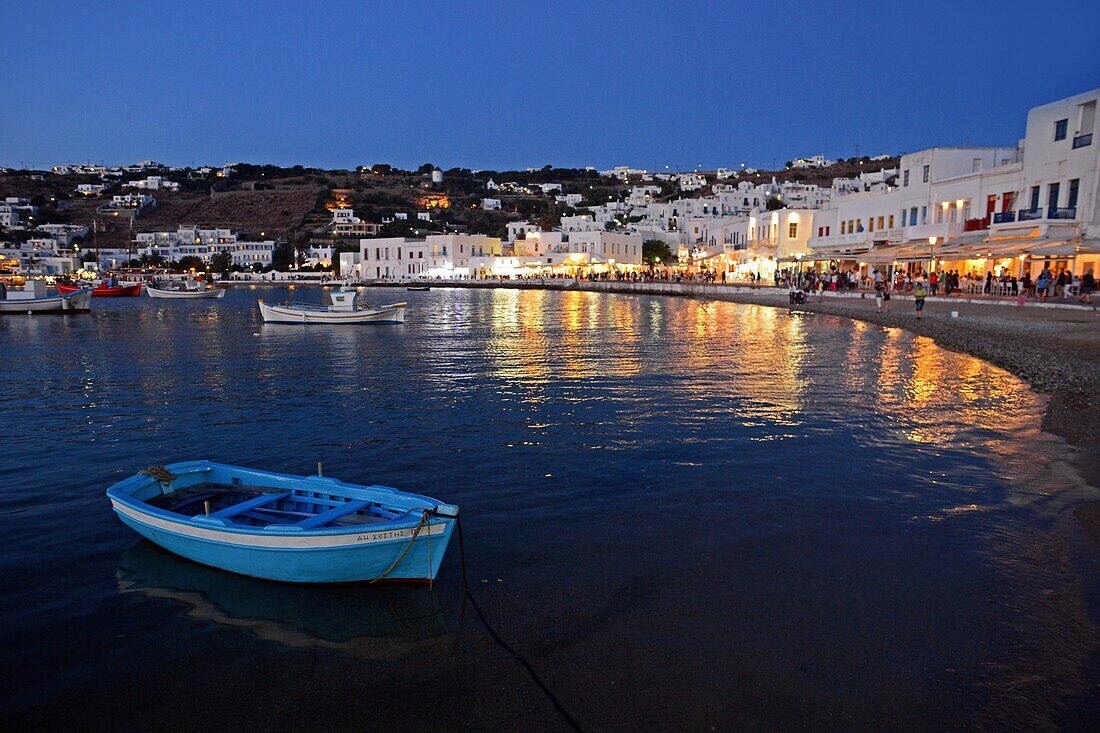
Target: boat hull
[(391, 314), (334, 560), (102, 291), (78, 301), (409, 548), (184, 294)]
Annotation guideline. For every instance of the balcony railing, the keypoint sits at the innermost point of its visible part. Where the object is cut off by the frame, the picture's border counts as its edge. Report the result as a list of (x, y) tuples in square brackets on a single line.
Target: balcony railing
[(1004, 217), (976, 225), (1029, 214), (1063, 212), (1082, 140)]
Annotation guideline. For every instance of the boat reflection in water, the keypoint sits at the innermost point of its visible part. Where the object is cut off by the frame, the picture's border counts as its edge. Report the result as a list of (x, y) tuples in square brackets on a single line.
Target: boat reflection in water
[(366, 622)]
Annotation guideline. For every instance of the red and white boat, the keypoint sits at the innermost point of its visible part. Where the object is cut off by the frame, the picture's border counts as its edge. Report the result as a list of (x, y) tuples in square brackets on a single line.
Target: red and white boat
[(102, 290)]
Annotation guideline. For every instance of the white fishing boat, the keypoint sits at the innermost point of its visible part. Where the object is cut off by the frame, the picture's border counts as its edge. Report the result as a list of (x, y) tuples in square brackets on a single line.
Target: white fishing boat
[(183, 290), (344, 309), (33, 299)]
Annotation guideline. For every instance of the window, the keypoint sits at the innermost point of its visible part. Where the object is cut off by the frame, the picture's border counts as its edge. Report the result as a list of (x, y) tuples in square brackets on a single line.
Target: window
[(905, 177), (826, 231), (1074, 185), (1034, 197), (925, 173), (880, 222), (924, 215), (913, 216), (843, 227), (891, 224), (1060, 129), (1052, 194), (975, 165), (792, 230)]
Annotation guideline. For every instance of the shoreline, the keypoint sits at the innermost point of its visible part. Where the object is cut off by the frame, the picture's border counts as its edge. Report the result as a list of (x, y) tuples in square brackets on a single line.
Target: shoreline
[(1054, 349)]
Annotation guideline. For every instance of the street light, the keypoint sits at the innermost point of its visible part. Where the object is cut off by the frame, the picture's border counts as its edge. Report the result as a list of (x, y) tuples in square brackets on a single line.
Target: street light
[(932, 253)]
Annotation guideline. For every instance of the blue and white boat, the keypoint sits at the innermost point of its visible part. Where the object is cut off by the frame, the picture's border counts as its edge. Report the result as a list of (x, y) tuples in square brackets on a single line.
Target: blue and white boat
[(297, 529)]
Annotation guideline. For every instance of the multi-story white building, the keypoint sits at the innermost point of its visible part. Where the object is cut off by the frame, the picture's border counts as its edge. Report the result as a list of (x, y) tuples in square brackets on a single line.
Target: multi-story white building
[(194, 241), (386, 258), (63, 234), (982, 209), (691, 181), (9, 217), (136, 201)]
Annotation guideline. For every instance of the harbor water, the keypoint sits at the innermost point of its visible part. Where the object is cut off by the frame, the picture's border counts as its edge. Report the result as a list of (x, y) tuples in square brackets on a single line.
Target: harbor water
[(677, 515)]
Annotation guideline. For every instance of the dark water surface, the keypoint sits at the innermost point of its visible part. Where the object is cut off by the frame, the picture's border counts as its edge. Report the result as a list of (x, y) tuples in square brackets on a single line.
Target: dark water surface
[(685, 515)]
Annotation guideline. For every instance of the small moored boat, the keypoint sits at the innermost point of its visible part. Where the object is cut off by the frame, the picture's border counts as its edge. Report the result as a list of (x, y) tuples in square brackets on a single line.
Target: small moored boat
[(419, 288), (297, 529), (183, 291), (34, 299), (103, 290), (342, 310)]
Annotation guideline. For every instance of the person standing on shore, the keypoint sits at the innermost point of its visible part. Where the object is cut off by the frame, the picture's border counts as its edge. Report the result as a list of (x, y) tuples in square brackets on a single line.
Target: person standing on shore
[(919, 294), (1041, 285), (879, 292), (1088, 284)]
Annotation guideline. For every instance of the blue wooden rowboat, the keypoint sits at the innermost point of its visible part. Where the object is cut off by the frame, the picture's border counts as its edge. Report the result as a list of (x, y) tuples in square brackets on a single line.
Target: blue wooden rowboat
[(297, 529)]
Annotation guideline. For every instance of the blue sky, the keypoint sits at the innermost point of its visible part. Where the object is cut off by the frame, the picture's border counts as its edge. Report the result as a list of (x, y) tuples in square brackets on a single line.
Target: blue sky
[(516, 84)]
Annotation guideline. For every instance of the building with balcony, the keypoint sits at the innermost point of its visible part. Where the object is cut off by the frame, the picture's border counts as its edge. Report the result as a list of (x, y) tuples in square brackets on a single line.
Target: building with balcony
[(194, 241), (982, 209)]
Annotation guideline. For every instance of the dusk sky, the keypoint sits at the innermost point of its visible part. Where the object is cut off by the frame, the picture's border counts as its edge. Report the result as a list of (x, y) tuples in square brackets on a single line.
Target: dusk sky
[(519, 84)]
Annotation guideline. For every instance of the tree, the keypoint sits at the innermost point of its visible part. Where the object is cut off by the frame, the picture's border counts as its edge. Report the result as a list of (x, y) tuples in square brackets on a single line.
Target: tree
[(191, 262), (654, 250), (774, 204), (221, 262)]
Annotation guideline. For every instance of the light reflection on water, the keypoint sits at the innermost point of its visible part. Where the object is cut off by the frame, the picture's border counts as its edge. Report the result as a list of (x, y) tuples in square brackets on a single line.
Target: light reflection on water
[(814, 521)]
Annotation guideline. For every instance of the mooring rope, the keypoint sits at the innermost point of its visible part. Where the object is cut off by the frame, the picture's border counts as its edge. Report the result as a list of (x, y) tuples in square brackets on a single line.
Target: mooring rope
[(569, 719), (415, 534)]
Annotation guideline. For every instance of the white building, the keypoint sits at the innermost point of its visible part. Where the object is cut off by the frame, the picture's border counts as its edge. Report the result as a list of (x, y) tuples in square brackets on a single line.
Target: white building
[(450, 254), (622, 172), (490, 204), (63, 234), (983, 209), (90, 189), (387, 258), (691, 181), (815, 161), (154, 183), (194, 241), (136, 201), (9, 217)]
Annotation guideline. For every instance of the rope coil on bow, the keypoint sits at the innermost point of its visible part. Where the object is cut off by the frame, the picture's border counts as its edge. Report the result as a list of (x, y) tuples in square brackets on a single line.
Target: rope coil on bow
[(161, 474)]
